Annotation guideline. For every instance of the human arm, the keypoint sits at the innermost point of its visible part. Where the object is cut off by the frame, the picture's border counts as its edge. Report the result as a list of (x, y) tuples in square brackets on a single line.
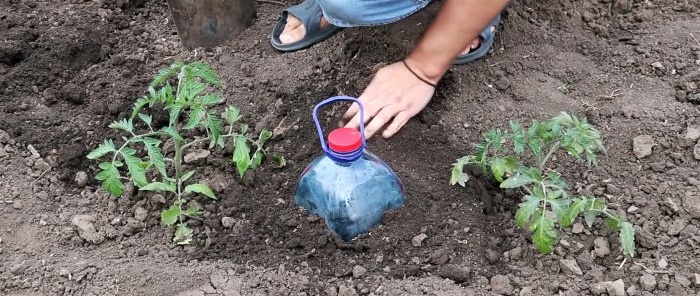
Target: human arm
[(395, 94)]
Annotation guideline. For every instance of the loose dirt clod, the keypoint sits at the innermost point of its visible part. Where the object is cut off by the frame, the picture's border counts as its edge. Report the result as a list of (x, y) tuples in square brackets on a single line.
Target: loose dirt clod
[(647, 282), (691, 203), (86, 229), (642, 145), (602, 247), (417, 240), (500, 284), (569, 266), (81, 179)]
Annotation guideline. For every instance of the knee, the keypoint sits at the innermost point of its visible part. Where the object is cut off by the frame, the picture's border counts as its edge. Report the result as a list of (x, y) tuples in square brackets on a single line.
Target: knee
[(344, 13)]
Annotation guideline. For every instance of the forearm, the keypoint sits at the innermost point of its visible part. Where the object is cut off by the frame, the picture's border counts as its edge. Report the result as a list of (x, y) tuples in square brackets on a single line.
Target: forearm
[(456, 25)]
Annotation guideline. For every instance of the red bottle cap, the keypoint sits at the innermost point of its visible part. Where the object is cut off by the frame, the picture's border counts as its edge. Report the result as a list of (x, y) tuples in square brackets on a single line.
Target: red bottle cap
[(344, 140)]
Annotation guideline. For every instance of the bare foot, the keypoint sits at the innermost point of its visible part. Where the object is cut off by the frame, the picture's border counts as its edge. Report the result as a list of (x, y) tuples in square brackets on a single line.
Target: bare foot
[(295, 30), (475, 43)]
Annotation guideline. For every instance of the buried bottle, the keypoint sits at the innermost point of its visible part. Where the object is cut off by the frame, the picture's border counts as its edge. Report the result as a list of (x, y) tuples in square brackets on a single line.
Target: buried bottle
[(348, 186)]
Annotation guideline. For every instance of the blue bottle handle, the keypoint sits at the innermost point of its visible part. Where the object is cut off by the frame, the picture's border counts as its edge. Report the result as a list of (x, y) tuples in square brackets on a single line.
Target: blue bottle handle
[(332, 154)]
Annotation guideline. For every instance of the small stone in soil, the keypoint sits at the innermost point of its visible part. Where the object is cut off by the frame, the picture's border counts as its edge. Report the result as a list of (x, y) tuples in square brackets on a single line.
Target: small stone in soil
[(196, 155), (527, 291), (697, 279), (439, 257), (500, 284), (682, 280), (227, 222), (647, 282), (569, 266), (692, 133), (81, 179), (696, 151), (417, 240), (456, 273), (642, 146), (140, 214), (632, 209), (618, 288), (663, 263), (691, 204), (602, 246), (577, 228), (358, 271)]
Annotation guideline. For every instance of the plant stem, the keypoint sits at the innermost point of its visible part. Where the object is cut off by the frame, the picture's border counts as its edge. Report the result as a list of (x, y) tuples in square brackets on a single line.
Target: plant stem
[(178, 175), (549, 155)]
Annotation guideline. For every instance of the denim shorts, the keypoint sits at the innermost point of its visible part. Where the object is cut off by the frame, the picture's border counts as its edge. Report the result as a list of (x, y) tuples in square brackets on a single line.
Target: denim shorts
[(356, 13)]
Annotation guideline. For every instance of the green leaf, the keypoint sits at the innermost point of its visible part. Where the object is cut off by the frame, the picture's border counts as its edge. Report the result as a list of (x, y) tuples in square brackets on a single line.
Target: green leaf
[(517, 180), (495, 138), (593, 209), (256, 160), (518, 137), (189, 90), (200, 188), (590, 216), (147, 119), (232, 114), (560, 207), (142, 102), (612, 224), (279, 159), (206, 73), (109, 175), (210, 99), (165, 74), (155, 155), (544, 236), (192, 212), (183, 234), (172, 132), (498, 168), (124, 124), (159, 186), (264, 136), (186, 176), (575, 209), (133, 163), (170, 216), (627, 238), (195, 118), (214, 124), (241, 155), (106, 147), (457, 175), (174, 112), (244, 129), (526, 210)]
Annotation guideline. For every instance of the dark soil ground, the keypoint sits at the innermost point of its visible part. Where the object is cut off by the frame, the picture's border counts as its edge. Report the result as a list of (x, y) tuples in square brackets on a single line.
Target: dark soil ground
[(69, 68)]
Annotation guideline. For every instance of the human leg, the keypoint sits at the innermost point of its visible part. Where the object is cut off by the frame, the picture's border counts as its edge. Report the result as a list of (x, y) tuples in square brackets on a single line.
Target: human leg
[(313, 21)]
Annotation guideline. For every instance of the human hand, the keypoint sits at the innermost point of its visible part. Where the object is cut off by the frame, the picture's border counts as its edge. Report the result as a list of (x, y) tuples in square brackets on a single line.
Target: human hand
[(393, 97)]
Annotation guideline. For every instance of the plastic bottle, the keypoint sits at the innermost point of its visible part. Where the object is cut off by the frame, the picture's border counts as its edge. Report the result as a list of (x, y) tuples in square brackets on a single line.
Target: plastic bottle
[(348, 186)]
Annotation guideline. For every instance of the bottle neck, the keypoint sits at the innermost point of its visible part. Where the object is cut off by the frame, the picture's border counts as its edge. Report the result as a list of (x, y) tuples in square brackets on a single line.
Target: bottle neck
[(346, 157)]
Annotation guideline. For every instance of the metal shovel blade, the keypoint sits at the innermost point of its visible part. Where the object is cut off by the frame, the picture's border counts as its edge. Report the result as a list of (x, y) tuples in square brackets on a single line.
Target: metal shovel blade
[(209, 23)]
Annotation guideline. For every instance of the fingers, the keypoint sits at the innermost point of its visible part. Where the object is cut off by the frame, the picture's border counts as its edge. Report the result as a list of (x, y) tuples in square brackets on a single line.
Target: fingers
[(349, 114), (379, 120), (399, 121)]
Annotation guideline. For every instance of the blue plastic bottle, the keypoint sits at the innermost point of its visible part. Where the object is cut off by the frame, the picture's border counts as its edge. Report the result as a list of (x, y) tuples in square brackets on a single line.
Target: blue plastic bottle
[(348, 186)]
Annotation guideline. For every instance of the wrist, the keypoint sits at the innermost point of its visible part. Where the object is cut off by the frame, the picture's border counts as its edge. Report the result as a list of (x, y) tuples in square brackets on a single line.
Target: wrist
[(425, 67)]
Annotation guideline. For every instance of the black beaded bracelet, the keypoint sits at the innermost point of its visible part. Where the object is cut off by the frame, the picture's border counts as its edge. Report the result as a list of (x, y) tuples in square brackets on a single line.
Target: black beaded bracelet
[(417, 76)]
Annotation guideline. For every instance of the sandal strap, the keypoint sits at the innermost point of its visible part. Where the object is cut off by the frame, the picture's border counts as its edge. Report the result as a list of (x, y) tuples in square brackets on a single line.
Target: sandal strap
[(309, 13)]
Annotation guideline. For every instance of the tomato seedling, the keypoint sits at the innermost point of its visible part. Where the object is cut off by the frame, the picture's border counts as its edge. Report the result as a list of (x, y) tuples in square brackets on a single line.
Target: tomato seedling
[(190, 112), (546, 201)]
